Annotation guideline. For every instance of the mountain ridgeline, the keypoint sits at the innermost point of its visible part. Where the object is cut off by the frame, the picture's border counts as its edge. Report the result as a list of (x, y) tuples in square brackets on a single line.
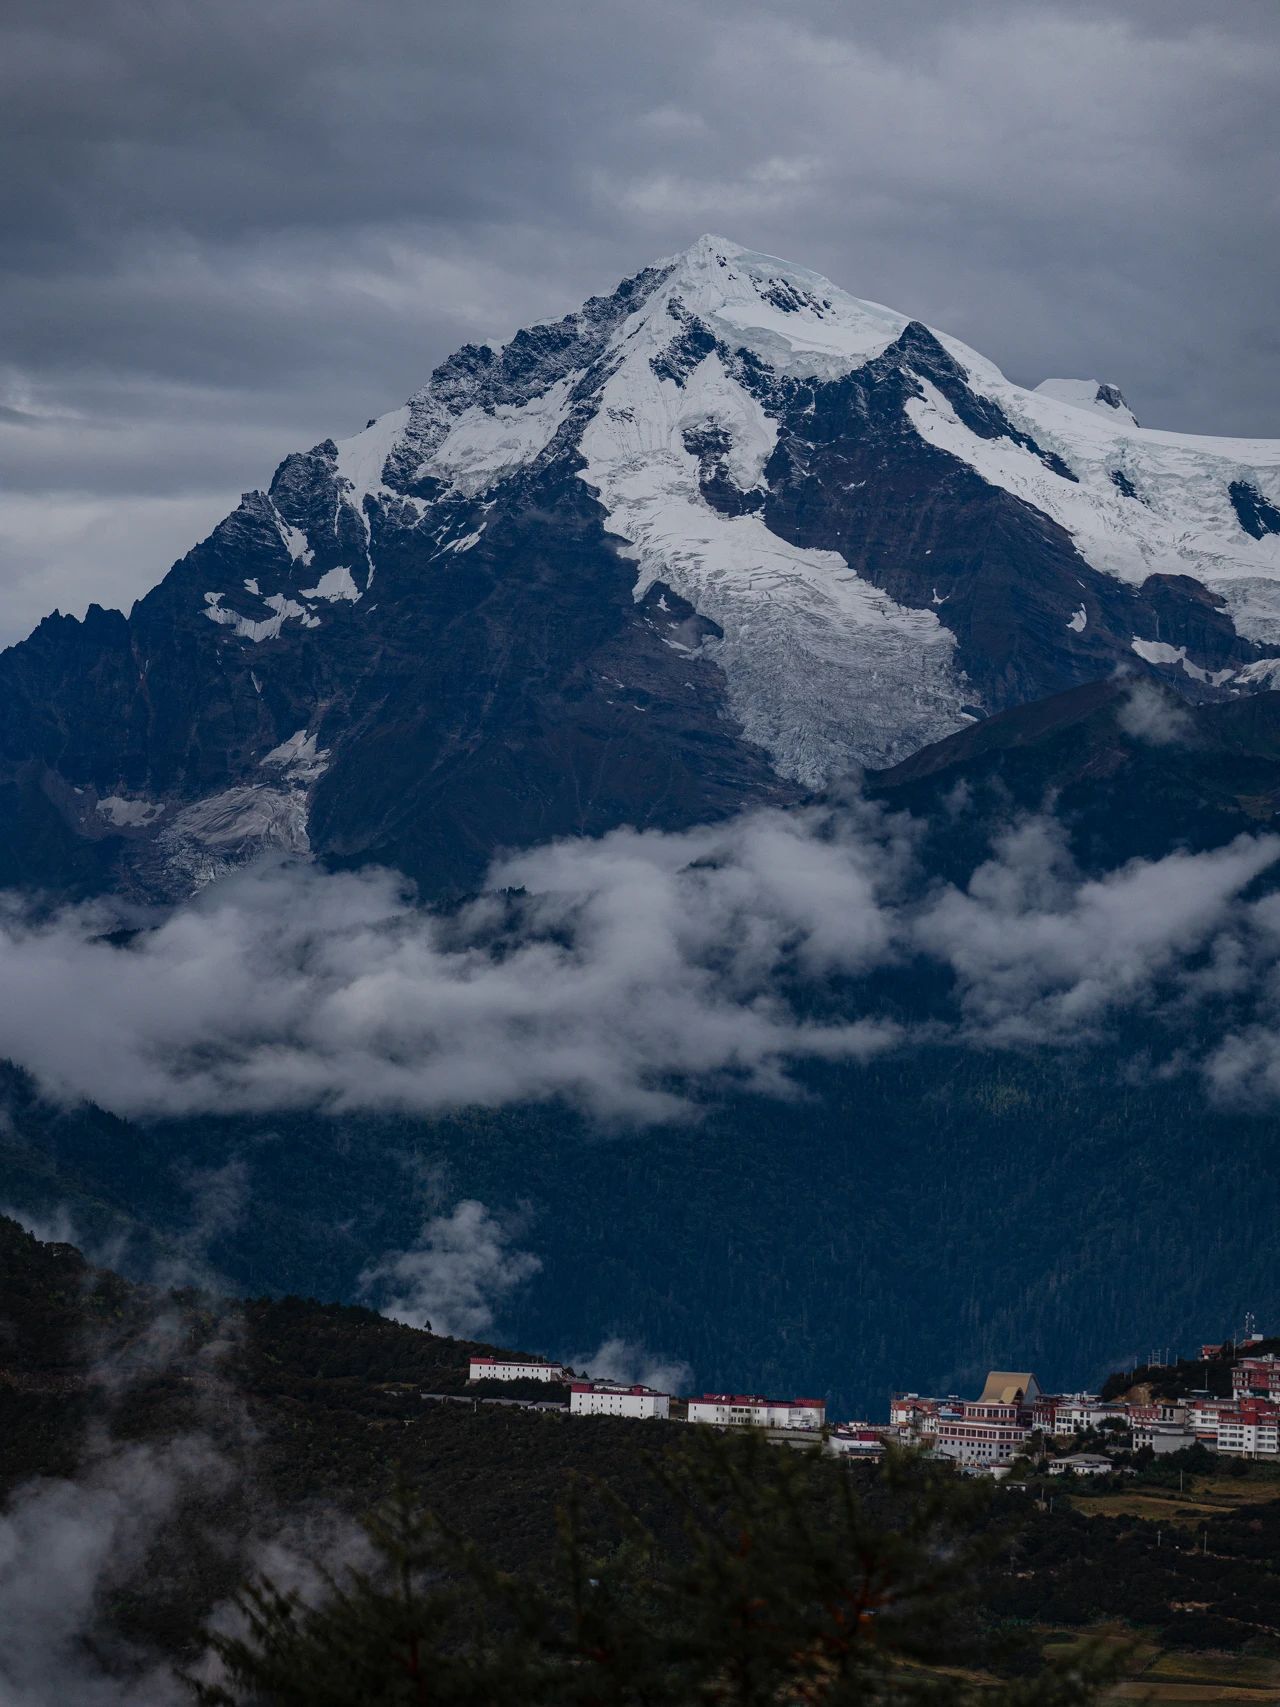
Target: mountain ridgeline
[(717, 538)]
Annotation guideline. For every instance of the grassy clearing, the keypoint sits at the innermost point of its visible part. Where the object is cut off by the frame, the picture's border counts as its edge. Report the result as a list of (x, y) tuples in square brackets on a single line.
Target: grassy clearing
[(1163, 1677), (1174, 1694), (1203, 1497), (1261, 1488), (1184, 1509), (1244, 1669)]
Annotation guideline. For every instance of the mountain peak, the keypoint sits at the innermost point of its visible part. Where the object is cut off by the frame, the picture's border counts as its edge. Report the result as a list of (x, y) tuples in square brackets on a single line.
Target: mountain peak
[(720, 534), (1097, 394), (710, 244)]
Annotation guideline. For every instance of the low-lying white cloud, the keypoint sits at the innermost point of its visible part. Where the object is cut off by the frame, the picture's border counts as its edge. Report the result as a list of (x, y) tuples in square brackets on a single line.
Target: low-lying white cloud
[(65, 1546), (1155, 717), (628, 963), (1042, 955), (454, 1276), (620, 1359), (618, 974)]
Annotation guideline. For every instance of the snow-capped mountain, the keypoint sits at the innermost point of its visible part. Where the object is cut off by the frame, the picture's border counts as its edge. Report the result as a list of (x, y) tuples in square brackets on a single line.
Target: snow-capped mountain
[(717, 537)]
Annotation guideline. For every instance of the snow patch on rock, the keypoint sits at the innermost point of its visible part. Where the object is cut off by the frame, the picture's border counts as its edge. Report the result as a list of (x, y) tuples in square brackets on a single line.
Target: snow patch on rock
[(299, 758), (363, 457), (269, 627), (1160, 652), (123, 813), (484, 445), (334, 584), (294, 540), (213, 836), (1265, 673)]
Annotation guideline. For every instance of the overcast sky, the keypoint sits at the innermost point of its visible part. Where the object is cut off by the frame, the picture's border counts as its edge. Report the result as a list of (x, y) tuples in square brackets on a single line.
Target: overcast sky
[(233, 230)]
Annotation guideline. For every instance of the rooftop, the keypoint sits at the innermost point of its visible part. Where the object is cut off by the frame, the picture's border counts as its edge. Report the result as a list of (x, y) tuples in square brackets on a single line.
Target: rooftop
[(614, 1387), (1009, 1387), (753, 1399)]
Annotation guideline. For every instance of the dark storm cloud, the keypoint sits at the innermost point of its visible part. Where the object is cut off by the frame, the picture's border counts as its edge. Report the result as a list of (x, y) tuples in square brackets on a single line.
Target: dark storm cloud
[(233, 230)]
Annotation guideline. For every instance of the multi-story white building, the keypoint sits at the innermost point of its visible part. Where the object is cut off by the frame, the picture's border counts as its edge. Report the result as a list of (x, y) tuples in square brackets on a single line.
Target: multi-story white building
[(1252, 1429), (994, 1427), (1257, 1376), (505, 1369), (1075, 1412), (1203, 1412), (749, 1410), (613, 1399)]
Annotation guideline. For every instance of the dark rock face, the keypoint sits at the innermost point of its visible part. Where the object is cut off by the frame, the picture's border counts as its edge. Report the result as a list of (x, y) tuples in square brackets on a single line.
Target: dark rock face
[(1190, 777), (524, 695), (1112, 396), (1257, 516), (516, 693)]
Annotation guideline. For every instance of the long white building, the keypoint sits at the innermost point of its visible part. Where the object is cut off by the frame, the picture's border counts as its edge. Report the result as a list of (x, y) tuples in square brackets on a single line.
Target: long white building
[(501, 1369), (749, 1410), (613, 1399)]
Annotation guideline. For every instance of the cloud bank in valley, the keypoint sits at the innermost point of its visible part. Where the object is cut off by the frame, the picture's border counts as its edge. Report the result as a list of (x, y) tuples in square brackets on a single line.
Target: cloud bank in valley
[(625, 973)]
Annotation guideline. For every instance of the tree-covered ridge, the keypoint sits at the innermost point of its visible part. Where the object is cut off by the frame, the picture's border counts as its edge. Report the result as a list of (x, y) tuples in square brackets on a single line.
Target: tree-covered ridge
[(779, 1578), (306, 1415)]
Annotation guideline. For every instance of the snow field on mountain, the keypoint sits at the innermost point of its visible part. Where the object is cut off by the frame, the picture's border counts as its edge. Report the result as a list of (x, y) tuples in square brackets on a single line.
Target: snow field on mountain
[(1086, 394), (824, 671), (362, 458), (1181, 523), (482, 446)]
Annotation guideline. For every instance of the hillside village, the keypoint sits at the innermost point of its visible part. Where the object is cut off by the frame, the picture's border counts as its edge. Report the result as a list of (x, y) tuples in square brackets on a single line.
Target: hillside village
[(1159, 1412)]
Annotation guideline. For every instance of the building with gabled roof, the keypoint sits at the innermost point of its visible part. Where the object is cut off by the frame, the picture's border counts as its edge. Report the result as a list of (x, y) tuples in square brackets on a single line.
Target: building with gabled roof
[(994, 1427), (1008, 1387)]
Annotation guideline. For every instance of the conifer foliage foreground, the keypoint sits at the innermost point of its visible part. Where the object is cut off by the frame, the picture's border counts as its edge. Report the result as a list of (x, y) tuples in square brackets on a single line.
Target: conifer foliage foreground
[(782, 1578)]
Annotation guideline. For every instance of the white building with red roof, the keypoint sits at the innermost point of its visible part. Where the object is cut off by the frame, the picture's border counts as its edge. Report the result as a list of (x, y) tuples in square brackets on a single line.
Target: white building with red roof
[(513, 1369), (1252, 1429), (615, 1399), (749, 1410), (1258, 1377)]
